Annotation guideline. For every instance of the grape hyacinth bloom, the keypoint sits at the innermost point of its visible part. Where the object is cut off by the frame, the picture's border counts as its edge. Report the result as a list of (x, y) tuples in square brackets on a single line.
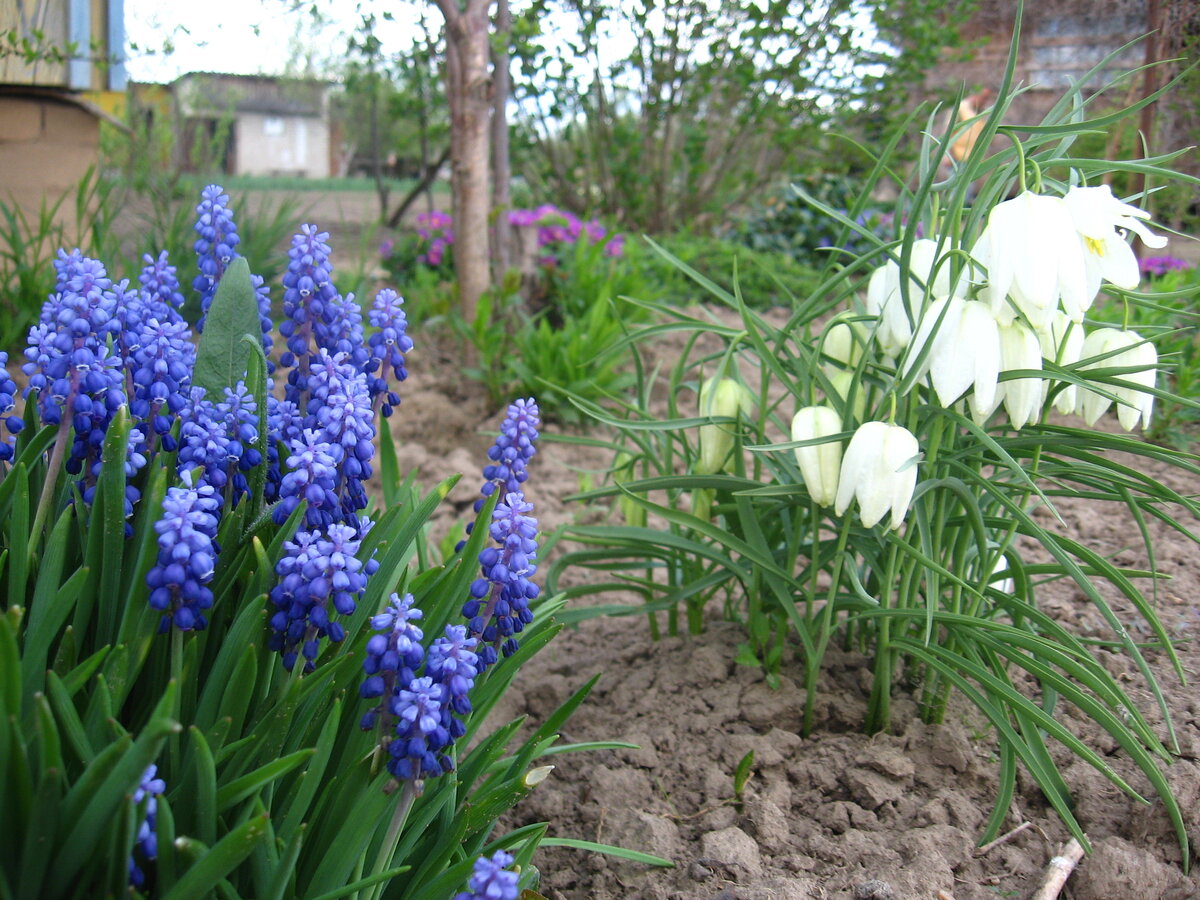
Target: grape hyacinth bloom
[(416, 750), (491, 879), (161, 371), (317, 570), (216, 246), (187, 553), (311, 477), (308, 302), (220, 438), (499, 605), (388, 346), (393, 655), (510, 454), (145, 847), (12, 423), (160, 288)]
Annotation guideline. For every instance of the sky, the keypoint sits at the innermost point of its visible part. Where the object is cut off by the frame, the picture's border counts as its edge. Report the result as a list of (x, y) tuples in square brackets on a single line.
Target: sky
[(245, 37)]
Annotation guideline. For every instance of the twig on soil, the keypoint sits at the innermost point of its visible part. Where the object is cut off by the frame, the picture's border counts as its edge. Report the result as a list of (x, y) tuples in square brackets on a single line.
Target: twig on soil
[(1060, 870), (991, 845)]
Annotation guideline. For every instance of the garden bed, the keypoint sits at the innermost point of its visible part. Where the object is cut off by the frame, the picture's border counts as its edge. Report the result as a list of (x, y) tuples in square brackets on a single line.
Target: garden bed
[(826, 815)]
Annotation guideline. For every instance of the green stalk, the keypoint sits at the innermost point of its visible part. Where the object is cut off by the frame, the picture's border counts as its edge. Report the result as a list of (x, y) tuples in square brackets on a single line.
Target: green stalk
[(52, 469), (812, 666), (388, 848), (879, 708)]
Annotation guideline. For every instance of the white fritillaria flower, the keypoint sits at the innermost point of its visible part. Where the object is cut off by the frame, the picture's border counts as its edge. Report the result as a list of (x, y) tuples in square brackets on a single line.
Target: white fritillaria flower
[(720, 397), (843, 343), (1020, 349), (879, 468), (1034, 258), (1132, 350), (885, 300), (820, 463), (1097, 215), (1062, 343), (964, 351)]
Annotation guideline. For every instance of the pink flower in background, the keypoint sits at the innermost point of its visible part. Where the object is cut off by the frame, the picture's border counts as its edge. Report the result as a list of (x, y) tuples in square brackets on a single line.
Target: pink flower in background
[(1161, 265)]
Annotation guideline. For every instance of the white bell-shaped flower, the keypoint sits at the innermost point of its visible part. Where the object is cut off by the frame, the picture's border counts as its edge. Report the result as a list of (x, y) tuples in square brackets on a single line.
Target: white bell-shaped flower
[(843, 343), (964, 351), (885, 298), (819, 464), (720, 397), (1062, 343), (1131, 351), (879, 469), (1034, 259), (1097, 215), (1020, 349)]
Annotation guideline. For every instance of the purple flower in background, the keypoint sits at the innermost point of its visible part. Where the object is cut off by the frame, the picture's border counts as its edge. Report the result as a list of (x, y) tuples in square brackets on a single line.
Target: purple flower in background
[(187, 554), (216, 244), (491, 879), (145, 847), (1155, 266)]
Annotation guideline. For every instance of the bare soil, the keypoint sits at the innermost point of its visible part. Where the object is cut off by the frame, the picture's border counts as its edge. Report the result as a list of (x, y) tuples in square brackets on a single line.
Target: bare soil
[(839, 814)]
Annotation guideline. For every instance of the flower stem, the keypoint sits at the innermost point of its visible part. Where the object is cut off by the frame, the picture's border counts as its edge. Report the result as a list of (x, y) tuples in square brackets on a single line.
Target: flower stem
[(52, 469), (812, 666), (388, 848)]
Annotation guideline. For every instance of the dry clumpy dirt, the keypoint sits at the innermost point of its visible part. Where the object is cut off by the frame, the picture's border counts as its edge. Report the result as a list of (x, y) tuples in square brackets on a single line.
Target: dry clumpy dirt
[(838, 815)]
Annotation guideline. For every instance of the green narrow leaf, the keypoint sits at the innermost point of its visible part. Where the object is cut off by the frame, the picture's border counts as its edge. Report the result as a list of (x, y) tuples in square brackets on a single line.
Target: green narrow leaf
[(205, 810), (389, 465), (50, 606), (222, 358), (17, 528), (620, 852), (111, 484), (241, 788), (39, 836), (220, 860)]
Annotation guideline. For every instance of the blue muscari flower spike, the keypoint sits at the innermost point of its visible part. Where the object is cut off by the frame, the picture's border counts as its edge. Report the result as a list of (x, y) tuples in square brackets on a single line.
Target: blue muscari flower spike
[(284, 425), (161, 370), (160, 287), (317, 570), (216, 245), (509, 455), (187, 554), (311, 477), (393, 655), (145, 847), (12, 423), (416, 749), (308, 299), (499, 605), (454, 662), (221, 439), (491, 879), (346, 422), (388, 346)]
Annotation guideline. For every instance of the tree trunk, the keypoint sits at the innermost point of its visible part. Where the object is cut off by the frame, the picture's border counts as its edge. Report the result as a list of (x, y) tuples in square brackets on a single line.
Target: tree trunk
[(502, 233), (469, 93)]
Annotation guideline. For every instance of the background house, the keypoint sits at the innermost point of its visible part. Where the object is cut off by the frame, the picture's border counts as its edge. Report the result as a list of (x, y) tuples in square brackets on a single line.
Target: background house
[(253, 124), (51, 105)]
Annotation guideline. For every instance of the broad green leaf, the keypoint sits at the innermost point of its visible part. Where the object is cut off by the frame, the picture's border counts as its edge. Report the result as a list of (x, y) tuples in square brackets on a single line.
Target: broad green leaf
[(222, 358)]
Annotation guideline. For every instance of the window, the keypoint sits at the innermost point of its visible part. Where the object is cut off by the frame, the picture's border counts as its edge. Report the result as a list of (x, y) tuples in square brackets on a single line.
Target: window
[(273, 126)]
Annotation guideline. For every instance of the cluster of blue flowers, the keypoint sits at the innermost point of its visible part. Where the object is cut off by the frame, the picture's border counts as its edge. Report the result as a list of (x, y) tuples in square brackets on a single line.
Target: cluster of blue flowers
[(422, 696), (187, 556), (145, 848), (491, 879), (498, 608), (418, 713), (12, 423)]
